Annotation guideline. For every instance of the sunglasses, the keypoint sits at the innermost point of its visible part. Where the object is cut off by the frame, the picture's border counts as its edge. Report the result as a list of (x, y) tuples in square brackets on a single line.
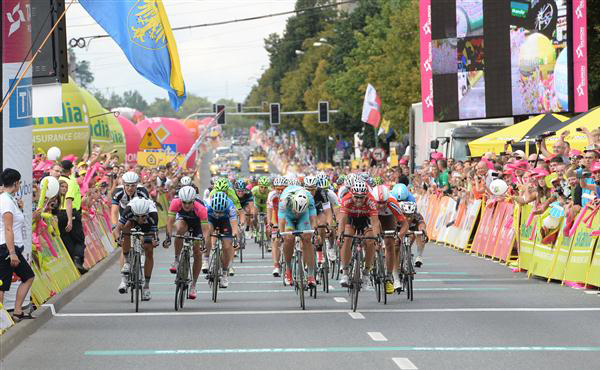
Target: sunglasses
[(188, 203), (359, 196), (531, 161)]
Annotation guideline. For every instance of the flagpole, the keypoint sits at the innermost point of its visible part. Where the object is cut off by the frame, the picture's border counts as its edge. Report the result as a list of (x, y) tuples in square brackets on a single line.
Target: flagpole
[(376, 137), (33, 58)]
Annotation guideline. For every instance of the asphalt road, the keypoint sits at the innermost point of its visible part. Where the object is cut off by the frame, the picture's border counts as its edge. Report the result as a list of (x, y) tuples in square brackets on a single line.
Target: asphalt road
[(468, 313)]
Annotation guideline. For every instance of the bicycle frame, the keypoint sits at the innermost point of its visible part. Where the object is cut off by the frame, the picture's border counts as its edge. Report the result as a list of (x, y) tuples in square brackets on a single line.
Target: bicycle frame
[(298, 266), (184, 269)]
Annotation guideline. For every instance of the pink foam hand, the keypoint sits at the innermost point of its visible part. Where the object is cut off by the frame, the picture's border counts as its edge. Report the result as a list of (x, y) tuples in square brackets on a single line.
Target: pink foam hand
[(578, 220)]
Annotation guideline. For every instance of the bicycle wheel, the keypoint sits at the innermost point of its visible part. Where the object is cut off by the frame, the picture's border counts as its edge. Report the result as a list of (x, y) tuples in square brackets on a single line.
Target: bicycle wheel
[(177, 289), (408, 273), (216, 272), (375, 277), (137, 281), (325, 273), (300, 278), (355, 282), (241, 252), (185, 273), (262, 239)]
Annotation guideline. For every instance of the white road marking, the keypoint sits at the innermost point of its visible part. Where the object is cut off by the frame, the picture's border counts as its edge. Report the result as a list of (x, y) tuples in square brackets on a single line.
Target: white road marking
[(592, 292), (340, 299), (404, 364), (377, 336), (331, 311), (356, 315)]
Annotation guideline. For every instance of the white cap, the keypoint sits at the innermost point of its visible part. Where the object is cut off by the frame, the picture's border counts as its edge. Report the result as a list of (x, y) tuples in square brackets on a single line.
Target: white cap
[(519, 153)]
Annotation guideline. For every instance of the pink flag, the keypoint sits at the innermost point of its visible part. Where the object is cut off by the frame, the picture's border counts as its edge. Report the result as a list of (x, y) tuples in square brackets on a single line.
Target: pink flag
[(371, 112)]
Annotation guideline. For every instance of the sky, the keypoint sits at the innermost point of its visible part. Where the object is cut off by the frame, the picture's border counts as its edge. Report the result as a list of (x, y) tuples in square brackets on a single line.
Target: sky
[(216, 61)]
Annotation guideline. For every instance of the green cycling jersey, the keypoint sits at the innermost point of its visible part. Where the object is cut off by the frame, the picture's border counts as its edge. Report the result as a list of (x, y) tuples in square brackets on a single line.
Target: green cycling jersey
[(260, 198), (232, 195)]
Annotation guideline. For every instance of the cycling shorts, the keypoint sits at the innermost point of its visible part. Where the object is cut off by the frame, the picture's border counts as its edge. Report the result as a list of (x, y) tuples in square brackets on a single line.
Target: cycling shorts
[(360, 223), (388, 222), (221, 226), (194, 226), (415, 221), (301, 223)]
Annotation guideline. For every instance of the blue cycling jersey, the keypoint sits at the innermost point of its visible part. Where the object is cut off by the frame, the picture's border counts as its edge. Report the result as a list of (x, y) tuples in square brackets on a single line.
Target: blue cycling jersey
[(229, 214), (285, 213)]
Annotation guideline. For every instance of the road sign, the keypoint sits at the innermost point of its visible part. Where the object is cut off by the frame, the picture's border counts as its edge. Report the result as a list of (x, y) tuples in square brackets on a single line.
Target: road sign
[(170, 148), (378, 154), (149, 141)]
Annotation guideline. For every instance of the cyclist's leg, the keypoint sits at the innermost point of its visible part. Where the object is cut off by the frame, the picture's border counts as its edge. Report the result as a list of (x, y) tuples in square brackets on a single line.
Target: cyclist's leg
[(181, 228), (346, 250), (227, 242), (197, 266), (308, 251), (388, 223)]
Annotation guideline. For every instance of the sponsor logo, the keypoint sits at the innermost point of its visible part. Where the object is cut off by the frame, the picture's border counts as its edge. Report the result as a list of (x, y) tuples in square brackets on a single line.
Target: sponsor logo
[(20, 104), (16, 18)]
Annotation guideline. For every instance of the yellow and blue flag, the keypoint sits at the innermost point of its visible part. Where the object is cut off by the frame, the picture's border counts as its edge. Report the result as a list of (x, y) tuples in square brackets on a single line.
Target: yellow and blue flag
[(142, 30)]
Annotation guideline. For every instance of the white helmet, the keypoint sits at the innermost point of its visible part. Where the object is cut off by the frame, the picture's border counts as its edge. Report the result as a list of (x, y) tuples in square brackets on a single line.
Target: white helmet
[(293, 181), (130, 178), (187, 194), (310, 181), (408, 207), (349, 181), (185, 181), (140, 206), (380, 193), (359, 188), (279, 181), (299, 202)]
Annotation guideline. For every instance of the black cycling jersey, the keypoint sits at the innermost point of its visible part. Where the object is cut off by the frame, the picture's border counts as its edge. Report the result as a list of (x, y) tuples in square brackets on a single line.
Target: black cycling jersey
[(120, 197), (151, 224), (246, 198), (320, 198)]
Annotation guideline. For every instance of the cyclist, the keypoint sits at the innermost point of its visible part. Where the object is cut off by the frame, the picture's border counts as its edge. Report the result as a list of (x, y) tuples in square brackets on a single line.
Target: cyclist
[(252, 182), (415, 223), (345, 189), (222, 218), (279, 184), (297, 212), (208, 190), (140, 213), (358, 214), (390, 218), (187, 213), (121, 196), (260, 193), (223, 185), (401, 193), (246, 201), (321, 202), (330, 209)]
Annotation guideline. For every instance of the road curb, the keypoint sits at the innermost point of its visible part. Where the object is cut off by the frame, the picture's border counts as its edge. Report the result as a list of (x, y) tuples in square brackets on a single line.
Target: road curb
[(17, 334)]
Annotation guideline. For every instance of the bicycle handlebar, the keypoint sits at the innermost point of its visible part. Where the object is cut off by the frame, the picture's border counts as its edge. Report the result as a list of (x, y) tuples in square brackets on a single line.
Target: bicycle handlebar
[(137, 233), (186, 237), (361, 237), (297, 233)]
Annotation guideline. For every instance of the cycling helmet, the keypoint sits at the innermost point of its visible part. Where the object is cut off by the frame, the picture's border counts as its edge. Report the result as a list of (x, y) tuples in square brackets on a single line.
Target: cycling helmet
[(341, 179), (359, 188), (380, 193), (310, 181), (219, 202), (213, 180), (130, 178), (293, 181), (364, 176), (349, 181), (371, 181), (279, 181), (140, 206), (185, 181), (264, 181), (299, 202), (400, 192), (324, 183), (377, 180), (221, 184), (253, 179), (408, 208), (187, 194), (240, 185)]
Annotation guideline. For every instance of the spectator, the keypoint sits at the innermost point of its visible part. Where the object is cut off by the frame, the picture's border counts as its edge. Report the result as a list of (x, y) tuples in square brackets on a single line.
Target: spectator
[(69, 217), (12, 243)]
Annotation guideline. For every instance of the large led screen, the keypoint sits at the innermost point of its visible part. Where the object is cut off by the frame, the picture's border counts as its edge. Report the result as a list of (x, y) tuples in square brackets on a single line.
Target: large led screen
[(497, 58)]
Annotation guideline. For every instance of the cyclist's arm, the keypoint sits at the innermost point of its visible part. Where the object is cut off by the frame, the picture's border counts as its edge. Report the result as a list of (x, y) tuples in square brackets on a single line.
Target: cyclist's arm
[(403, 225), (114, 214), (343, 222), (234, 198)]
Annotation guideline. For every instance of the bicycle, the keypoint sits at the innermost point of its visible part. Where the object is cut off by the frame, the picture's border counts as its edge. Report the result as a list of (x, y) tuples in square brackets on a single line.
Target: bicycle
[(407, 270), (242, 241), (262, 236), (355, 267), (135, 279), (298, 266), (215, 269), (184, 269), (323, 268)]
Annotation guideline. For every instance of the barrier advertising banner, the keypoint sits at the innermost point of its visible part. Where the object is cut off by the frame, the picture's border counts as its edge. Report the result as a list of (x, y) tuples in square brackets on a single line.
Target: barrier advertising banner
[(16, 116), (582, 249), (526, 237), (563, 249)]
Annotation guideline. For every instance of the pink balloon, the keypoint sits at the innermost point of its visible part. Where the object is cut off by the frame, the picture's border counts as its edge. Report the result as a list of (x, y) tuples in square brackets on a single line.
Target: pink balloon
[(174, 132), (132, 139)]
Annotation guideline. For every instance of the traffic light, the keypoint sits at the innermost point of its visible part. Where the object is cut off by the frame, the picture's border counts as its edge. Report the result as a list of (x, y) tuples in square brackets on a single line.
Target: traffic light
[(214, 108), (275, 114), (220, 114), (239, 107), (323, 112)]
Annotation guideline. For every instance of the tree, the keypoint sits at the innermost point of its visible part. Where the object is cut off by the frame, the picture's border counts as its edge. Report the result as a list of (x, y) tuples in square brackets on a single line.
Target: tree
[(80, 70), (133, 99)]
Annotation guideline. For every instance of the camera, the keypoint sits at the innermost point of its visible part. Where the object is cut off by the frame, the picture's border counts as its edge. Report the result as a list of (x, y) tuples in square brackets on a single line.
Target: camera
[(495, 174), (579, 129)]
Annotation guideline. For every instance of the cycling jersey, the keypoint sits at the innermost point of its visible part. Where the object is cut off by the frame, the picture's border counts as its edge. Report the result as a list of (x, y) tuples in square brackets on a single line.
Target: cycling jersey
[(221, 221), (120, 197), (293, 221), (321, 201), (194, 218), (342, 191), (333, 199), (273, 203), (246, 198), (231, 195), (368, 208), (260, 199), (392, 209)]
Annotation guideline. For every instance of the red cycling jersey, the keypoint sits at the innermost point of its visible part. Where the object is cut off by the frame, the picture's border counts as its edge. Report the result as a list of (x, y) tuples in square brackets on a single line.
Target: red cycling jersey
[(368, 208), (393, 208)]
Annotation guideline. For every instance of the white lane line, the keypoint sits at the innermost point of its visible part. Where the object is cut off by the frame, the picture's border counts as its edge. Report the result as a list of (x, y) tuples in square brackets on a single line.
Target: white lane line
[(331, 311), (356, 315), (404, 364), (377, 336), (592, 292), (340, 299)]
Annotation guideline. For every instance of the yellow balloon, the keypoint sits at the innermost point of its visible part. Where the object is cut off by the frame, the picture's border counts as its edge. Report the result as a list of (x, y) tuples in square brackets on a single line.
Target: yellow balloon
[(536, 52)]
